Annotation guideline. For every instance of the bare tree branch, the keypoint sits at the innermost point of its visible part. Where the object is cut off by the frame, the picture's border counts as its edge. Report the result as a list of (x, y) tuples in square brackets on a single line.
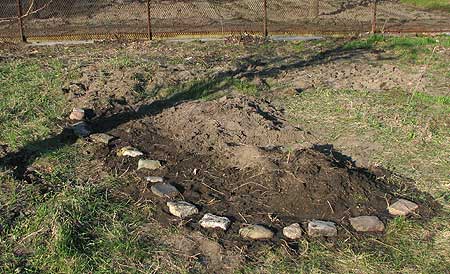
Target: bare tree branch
[(30, 11)]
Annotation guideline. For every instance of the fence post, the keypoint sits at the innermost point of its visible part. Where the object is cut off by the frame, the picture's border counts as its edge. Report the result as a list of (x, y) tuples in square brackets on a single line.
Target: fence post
[(20, 21), (374, 16), (265, 32), (149, 22)]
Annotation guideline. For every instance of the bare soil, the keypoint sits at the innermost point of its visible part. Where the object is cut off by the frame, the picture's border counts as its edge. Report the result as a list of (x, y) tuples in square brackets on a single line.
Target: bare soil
[(238, 157)]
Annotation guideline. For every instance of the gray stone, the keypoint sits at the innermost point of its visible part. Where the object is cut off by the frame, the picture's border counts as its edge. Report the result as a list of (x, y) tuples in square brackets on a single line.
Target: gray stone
[(182, 209), (256, 232), (318, 228), (213, 221), (101, 138), (78, 114), (164, 190), (81, 129), (154, 179), (293, 232), (402, 208), (367, 224), (129, 151), (149, 164)]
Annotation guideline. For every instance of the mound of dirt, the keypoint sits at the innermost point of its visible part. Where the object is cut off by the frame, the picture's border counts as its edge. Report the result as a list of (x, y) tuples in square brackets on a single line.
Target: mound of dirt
[(240, 158)]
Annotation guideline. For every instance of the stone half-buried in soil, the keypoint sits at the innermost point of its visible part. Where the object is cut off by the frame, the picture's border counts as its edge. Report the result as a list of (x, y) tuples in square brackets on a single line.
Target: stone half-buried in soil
[(293, 232), (212, 221), (149, 164), (256, 232), (129, 152), (182, 209), (164, 190), (317, 228), (367, 224), (402, 208)]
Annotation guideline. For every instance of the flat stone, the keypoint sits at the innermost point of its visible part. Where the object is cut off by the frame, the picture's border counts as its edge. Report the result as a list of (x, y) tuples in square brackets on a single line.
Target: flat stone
[(77, 114), (182, 209), (149, 164), (154, 179), (293, 232), (213, 221), (256, 232), (318, 228), (101, 138), (164, 190), (367, 224), (130, 152), (81, 129), (402, 208)]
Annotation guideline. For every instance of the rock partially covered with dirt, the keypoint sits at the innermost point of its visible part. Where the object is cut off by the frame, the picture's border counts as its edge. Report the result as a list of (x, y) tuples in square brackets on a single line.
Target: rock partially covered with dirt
[(256, 232), (182, 209), (212, 221), (81, 129), (165, 190), (129, 152), (402, 208), (318, 228), (77, 114), (149, 164), (293, 232), (367, 224), (102, 138)]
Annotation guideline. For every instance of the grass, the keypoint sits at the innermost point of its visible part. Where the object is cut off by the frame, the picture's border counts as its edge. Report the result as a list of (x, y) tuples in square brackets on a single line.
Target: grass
[(76, 218), (443, 5)]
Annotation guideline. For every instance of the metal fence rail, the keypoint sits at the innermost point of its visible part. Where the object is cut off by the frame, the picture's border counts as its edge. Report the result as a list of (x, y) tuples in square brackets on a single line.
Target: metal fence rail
[(143, 19)]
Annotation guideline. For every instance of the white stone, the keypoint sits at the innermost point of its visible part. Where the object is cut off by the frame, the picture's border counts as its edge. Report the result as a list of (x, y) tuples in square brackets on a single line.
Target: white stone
[(367, 224), (149, 164), (130, 152), (213, 221), (318, 228), (293, 232), (256, 232), (154, 179), (402, 208), (182, 209)]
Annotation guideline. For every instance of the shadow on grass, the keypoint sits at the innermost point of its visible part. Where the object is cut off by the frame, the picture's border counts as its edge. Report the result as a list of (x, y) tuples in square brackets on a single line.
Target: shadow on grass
[(20, 160)]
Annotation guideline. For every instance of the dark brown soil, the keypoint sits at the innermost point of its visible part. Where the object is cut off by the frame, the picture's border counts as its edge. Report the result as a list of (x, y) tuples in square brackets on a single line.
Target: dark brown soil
[(239, 158)]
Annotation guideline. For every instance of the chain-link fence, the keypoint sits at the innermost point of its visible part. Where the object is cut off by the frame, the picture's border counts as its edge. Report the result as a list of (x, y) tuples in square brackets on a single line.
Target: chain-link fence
[(90, 19)]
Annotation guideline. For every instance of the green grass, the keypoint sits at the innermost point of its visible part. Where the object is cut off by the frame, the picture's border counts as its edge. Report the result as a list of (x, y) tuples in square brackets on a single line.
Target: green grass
[(31, 101), (443, 5), (76, 218), (408, 49)]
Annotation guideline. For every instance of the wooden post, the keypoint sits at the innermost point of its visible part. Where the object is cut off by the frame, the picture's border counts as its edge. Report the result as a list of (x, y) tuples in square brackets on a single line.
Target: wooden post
[(20, 21), (265, 31), (149, 22), (374, 16)]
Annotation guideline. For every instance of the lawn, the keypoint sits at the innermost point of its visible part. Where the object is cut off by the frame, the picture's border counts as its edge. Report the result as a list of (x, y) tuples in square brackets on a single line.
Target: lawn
[(68, 213)]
